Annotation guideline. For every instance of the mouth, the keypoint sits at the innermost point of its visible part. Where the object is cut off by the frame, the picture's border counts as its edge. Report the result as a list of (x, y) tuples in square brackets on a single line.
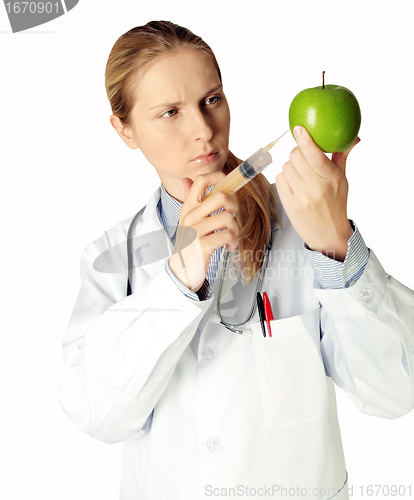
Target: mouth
[(208, 158)]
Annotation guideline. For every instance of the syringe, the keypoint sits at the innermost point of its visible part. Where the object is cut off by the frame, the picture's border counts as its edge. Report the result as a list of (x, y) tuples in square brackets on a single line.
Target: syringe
[(246, 171)]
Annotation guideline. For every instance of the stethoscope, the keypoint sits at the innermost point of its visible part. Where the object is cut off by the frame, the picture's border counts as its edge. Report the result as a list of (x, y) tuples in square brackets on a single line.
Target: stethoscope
[(215, 318)]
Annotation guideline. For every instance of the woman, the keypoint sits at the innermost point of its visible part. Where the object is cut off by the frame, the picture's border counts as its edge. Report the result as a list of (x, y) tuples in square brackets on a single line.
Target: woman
[(202, 410)]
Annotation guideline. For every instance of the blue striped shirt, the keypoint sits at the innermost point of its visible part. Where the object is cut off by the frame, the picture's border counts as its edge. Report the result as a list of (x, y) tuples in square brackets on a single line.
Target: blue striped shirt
[(330, 273), (169, 213)]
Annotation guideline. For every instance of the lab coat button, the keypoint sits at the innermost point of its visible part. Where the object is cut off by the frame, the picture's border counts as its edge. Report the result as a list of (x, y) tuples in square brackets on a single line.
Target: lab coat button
[(208, 352), (178, 309), (213, 443), (366, 295)]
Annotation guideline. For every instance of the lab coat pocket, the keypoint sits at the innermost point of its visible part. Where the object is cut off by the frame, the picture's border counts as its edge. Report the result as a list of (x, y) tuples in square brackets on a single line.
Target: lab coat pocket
[(290, 370)]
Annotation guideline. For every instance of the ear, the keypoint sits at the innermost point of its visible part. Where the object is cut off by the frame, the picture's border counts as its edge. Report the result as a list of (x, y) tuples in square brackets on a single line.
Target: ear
[(124, 132)]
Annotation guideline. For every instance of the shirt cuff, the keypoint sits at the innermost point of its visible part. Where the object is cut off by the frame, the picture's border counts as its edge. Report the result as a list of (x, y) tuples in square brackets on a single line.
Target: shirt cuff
[(334, 274), (203, 293)]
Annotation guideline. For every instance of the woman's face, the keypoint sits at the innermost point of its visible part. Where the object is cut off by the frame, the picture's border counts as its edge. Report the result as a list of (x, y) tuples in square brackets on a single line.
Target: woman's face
[(181, 119)]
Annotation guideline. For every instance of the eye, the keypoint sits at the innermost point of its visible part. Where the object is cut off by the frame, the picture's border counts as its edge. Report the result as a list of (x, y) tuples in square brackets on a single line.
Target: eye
[(170, 113), (212, 100)]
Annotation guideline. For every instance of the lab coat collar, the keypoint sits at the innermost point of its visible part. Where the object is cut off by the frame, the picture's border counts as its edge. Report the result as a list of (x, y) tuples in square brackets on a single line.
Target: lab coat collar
[(150, 220), (148, 223)]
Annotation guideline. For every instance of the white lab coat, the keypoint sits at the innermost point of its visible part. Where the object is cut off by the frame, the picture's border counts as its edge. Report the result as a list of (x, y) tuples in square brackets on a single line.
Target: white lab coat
[(203, 410)]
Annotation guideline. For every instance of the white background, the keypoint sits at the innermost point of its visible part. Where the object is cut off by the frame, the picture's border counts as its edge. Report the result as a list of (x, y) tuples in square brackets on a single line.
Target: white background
[(67, 177)]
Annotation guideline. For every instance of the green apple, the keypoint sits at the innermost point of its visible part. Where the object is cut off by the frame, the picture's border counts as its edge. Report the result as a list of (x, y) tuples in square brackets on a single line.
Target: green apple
[(330, 114)]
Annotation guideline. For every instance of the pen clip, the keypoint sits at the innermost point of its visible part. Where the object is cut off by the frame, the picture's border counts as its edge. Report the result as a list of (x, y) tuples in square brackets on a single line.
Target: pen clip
[(260, 308), (267, 312)]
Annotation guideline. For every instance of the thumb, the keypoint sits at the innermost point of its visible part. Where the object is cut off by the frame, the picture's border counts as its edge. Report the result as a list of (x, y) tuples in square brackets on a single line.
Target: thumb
[(187, 183), (340, 158)]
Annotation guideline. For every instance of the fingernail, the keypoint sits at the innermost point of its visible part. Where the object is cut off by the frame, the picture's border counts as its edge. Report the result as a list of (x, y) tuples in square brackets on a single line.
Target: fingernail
[(298, 131)]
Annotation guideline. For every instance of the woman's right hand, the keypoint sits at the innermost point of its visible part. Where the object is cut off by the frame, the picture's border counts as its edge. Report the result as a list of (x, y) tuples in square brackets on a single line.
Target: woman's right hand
[(196, 239)]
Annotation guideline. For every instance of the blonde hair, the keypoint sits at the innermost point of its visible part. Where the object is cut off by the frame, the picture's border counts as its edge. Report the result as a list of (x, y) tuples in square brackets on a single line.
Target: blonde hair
[(127, 62)]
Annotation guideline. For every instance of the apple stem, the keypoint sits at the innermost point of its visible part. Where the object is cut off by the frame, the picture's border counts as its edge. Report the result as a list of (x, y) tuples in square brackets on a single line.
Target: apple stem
[(323, 79)]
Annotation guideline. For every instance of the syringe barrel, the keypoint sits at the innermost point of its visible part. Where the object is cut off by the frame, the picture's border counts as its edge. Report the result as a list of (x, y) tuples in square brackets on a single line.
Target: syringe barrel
[(255, 164), (244, 173)]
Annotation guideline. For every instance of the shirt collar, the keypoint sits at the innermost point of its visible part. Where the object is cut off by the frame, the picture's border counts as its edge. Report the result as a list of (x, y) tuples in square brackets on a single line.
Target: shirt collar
[(170, 209)]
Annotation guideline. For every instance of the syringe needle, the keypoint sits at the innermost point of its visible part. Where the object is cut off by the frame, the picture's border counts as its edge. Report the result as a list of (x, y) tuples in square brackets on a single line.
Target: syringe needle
[(271, 144)]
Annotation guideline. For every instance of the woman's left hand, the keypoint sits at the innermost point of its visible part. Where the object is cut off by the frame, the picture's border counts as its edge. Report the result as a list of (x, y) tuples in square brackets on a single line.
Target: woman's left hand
[(314, 192)]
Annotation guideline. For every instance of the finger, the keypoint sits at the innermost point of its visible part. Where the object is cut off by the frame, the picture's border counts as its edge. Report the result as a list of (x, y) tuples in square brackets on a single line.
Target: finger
[(202, 182), (303, 170), (284, 189), (340, 158), (187, 183), (217, 240), (292, 176), (214, 203), (223, 200), (217, 222), (314, 155)]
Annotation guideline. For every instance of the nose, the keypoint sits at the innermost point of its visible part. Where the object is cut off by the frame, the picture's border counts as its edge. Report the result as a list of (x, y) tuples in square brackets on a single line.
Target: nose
[(201, 128)]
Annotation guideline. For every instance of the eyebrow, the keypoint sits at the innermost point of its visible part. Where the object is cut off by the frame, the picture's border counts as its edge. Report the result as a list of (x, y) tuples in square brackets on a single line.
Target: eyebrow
[(171, 104)]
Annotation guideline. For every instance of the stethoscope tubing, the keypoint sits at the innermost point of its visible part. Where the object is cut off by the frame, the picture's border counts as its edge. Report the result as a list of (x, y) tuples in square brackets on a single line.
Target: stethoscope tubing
[(130, 250), (232, 327)]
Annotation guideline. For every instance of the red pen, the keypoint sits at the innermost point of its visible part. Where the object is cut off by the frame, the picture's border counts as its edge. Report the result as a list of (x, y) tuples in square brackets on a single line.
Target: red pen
[(268, 312)]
